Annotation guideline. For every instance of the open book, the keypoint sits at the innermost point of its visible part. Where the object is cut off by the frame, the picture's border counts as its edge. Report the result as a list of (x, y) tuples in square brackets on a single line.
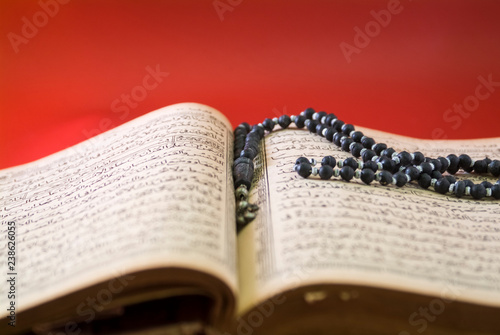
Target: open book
[(134, 229)]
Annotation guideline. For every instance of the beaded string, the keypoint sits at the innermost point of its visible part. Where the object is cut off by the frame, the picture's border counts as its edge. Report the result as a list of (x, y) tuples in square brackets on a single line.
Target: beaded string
[(371, 161)]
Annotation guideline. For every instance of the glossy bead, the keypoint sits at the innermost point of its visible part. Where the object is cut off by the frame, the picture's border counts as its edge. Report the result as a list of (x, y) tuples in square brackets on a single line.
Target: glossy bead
[(248, 153), (329, 160), (486, 184), (329, 118), (367, 175), (437, 164), (303, 169), (426, 167), (320, 115), (436, 175), (325, 172), (478, 191), (258, 130), (284, 121), (346, 173), (442, 185)]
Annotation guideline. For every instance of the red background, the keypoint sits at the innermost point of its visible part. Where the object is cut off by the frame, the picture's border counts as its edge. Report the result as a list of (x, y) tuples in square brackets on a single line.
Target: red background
[(254, 60)]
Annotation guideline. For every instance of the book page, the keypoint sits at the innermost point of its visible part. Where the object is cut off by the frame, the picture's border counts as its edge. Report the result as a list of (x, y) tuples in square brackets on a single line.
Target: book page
[(154, 192), (312, 231)]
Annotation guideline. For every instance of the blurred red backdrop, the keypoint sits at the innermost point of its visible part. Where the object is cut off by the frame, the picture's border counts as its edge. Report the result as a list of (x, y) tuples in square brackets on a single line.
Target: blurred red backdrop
[(399, 66)]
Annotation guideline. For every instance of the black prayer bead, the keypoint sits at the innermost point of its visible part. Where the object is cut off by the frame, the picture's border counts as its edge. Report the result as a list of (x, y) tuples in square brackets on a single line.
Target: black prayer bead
[(328, 160), (300, 121), (346, 173), (268, 124), (442, 186), (451, 179), (388, 152), (468, 183), (385, 177), (311, 125), (387, 163), (356, 149), (494, 168), (329, 134), (347, 128), (444, 164), (401, 179), (404, 158), (243, 172), (368, 142), (325, 172), (301, 160), (464, 162), (459, 189), (379, 147), (320, 115), (357, 136), (495, 191), (424, 181), (329, 118), (437, 164), (284, 121), (258, 130), (367, 155), (319, 129), (367, 175), (481, 166), (453, 167), (351, 162), (426, 167), (436, 175), (346, 143), (418, 158), (336, 138), (337, 124), (478, 191), (246, 126), (412, 172), (303, 169), (486, 184), (248, 153), (308, 113), (370, 165)]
